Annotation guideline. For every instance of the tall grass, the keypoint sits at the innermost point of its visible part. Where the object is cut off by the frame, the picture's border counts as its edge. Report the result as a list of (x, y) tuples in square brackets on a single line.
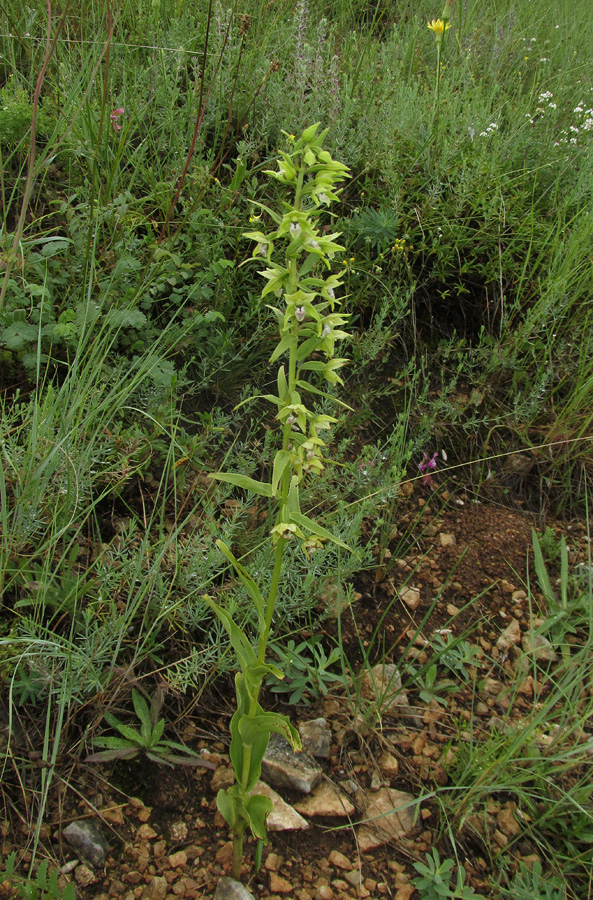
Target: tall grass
[(129, 327)]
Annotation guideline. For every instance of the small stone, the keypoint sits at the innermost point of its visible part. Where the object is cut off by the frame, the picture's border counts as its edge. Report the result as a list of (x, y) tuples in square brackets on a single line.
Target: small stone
[(367, 839), (279, 885), (86, 838), (404, 892), (517, 596), (223, 777), (383, 686), (273, 862), (224, 854), (507, 587), (507, 823), (325, 800), (229, 889), (156, 889), (526, 686), (113, 815), (510, 636), (83, 876), (283, 817), (146, 833), (316, 737), (411, 597), (452, 610), (446, 540), (354, 878), (282, 767), (482, 709), (392, 813), (500, 838), (389, 765), (178, 859), (324, 892), (539, 646), (178, 832), (340, 861)]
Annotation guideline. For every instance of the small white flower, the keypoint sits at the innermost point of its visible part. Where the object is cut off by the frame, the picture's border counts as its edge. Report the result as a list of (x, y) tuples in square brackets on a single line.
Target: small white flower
[(323, 198), (295, 229), (552, 105), (299, 313), (326, 331), (262, 250), (330, 293)]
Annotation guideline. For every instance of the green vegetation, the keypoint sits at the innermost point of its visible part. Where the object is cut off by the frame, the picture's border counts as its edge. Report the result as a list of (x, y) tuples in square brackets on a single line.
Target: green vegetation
[(134, 345)]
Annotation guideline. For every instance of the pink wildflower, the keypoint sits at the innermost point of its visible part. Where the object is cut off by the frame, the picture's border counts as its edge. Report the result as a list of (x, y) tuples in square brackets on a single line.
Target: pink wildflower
[(427, 466), (115, 116)]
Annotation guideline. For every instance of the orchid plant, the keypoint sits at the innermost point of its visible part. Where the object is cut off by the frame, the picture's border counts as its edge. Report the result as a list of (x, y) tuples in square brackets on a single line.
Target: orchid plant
[(298, 273)]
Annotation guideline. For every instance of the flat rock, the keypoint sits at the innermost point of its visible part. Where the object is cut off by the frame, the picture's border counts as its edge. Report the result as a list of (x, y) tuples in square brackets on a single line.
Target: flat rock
[(383, 686), (325, 800), (282, 767), (340, 861), (283, 817), (229, 889), (367, 839), (539, 646), (392, 813), (87, 840), (446, 540), (316, 737)]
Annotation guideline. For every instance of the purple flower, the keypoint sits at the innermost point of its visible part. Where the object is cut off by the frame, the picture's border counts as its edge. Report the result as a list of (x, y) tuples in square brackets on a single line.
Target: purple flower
[(427, 466), (114, 116)]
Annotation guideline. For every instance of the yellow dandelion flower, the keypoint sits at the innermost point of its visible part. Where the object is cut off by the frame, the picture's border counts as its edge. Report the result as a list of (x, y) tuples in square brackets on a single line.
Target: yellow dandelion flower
[(438, 26)]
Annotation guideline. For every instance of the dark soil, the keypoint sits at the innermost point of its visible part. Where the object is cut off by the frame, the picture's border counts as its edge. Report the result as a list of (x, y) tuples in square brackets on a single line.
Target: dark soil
[(463, 574)]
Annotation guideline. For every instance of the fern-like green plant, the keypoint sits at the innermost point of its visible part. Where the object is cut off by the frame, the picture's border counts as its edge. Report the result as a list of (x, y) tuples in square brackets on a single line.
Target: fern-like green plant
[(42, 887)]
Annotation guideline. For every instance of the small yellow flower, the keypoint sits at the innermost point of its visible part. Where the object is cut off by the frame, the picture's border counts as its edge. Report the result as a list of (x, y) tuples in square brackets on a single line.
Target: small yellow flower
[(438, 26)]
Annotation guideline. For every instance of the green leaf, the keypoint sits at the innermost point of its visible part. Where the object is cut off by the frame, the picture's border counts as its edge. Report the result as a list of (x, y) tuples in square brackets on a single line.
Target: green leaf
[(281, 461), (130, 733), (244, 481), (314, 390), (18, 334), (226, 801), (239, 641), (109, 755), (283, 346), (252, 727), (312, 526), (114, 743), (157, 732), (258, 807), (541, 571), (143, 713), (282, 384), (245, 579)]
